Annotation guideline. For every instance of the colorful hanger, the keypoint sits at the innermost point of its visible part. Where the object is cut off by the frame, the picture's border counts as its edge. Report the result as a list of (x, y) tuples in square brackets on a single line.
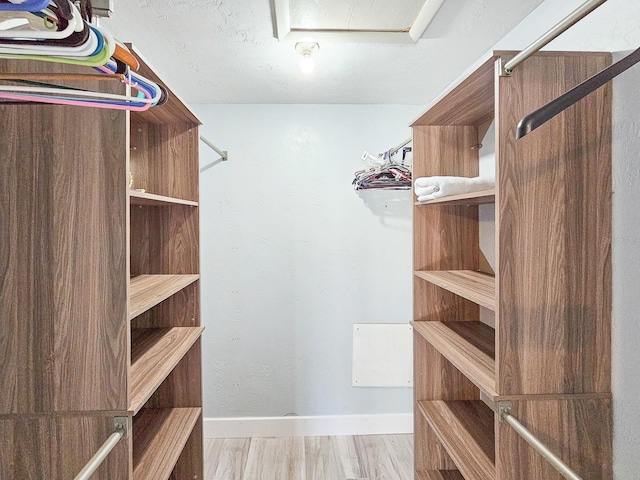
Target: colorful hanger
[(26, 6)]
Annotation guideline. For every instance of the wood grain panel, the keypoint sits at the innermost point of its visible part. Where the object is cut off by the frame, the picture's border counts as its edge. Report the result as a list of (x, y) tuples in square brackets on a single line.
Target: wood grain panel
[(149, 290), (465, 429), (64, 254), (183, 386), (164, 240), (435, 378), (469, 101), (441, 475), (44, 446), (445, 237), (469, 346), (428, 452), (154, 355), (554, 249), (164, 159), (7, 447), (190, 463), (182, 309), (578, 431), (159, 436), (475, 286)]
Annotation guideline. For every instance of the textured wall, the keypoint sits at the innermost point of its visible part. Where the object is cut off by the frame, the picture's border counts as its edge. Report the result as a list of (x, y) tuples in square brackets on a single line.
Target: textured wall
[(615, 26), (292, 257)]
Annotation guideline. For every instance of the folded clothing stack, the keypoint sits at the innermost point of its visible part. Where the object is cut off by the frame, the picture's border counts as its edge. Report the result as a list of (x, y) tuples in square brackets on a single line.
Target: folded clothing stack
[(430, 188)]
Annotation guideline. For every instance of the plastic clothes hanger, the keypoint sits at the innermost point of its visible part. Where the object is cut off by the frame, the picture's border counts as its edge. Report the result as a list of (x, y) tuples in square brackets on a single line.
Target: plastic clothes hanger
[(26, 6), (65, 28), (94, 61), (92, 46)]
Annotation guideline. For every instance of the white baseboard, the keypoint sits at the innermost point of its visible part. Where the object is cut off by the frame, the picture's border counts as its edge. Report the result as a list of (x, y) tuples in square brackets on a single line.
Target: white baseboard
[(312, 426)]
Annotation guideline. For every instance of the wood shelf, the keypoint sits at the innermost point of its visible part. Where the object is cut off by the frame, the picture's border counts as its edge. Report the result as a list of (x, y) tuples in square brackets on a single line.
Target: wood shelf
[(146, 291), (151, 199), (475, 286), (475, 198), (159, 436), (469, 346), (439, 475), (468, 101), (154, 354), (466, 430)]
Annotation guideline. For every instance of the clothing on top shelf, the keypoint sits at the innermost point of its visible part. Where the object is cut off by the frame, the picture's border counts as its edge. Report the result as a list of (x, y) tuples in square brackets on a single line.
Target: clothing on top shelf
[(430, 188)]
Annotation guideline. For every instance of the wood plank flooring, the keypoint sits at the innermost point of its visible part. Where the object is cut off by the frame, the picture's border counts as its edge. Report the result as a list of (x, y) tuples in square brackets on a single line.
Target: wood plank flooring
[(366, 457)]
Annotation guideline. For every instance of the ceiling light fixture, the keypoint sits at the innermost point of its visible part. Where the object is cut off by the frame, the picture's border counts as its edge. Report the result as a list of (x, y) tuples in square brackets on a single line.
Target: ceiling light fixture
[(307, 49)]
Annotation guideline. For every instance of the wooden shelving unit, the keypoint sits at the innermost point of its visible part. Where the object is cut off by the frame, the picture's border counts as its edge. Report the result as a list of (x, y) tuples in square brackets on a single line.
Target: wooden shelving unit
[(162, 435), (149, 290), (548, 356), (469, 346), (154, 354), (475, 286), (465, 429), (109, 325)]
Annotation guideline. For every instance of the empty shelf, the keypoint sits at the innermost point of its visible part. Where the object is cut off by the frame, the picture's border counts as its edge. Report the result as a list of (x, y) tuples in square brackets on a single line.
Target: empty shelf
[(154, 354), (439, 475), (469, 346), (139, 198), (146, 291), (465, 429), (474, 198), (475, 286), (159, 436)]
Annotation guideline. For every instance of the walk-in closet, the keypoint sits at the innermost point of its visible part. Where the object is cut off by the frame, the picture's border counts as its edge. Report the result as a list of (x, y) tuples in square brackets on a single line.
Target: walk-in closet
[(301, 240)]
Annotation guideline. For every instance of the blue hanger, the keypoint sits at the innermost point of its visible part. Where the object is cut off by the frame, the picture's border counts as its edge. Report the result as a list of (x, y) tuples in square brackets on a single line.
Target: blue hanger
[(26, 6)]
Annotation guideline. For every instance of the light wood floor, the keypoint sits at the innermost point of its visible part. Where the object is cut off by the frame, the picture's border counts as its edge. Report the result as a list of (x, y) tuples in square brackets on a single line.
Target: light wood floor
[(367, 457)]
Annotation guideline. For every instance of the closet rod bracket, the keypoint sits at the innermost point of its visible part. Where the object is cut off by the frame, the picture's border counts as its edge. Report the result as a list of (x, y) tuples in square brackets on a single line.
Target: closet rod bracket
[(121, 424), (504, 71), (504, 408)]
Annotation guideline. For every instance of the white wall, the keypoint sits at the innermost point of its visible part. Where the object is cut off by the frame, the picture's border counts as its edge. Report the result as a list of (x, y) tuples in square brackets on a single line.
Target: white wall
[(292, 257), (615, 26)]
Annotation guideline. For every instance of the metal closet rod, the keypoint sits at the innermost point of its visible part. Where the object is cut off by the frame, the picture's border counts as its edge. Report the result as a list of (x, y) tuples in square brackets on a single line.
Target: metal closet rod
[(530, 122), (223, 153), (570, 20), (541, 448), (120, 425), (406, 142)]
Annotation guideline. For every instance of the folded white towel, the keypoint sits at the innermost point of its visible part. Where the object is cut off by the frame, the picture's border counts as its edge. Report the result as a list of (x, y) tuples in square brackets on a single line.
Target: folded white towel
[(430, 188)]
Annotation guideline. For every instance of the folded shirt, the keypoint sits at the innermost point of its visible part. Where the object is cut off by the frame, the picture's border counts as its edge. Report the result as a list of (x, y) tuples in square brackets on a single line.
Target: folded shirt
[(430, 188)]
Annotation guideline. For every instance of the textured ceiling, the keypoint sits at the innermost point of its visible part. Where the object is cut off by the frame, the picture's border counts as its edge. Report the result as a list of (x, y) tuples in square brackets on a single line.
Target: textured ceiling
[(225, 51)]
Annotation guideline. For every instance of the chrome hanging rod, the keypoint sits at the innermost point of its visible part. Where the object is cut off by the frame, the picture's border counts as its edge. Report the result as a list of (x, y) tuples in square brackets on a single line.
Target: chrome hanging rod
[(223, 153), (394, 150), (541, 448), (570, 20), (120, 432)]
